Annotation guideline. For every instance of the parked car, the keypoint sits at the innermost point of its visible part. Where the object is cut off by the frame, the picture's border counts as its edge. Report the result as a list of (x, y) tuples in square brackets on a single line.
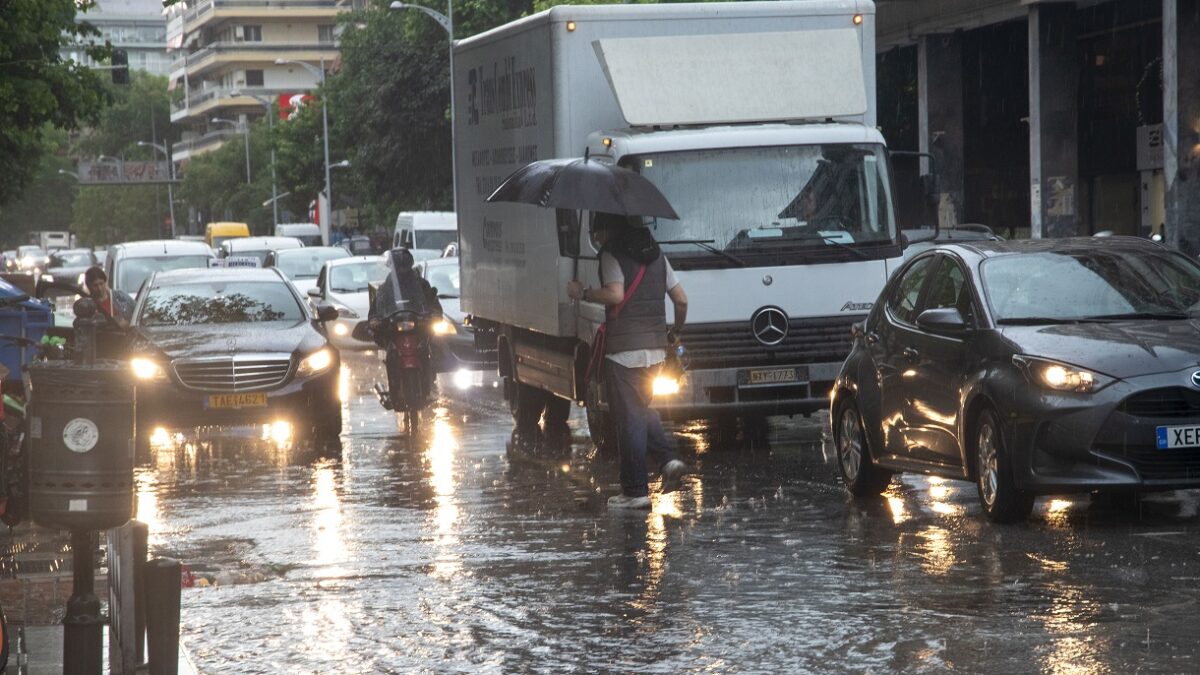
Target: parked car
[(344, 284), (302, 265), (256, 247), (233, 346), (1030, 367), (69, 264), (129, 264), (454, 338)]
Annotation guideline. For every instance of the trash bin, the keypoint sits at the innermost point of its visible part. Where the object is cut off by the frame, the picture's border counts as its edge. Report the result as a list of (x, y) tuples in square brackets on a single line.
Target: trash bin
[(28, 320), (81, 444)]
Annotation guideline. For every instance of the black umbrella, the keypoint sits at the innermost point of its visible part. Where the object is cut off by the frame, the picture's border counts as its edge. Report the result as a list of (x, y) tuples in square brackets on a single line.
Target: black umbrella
[(584, 185)]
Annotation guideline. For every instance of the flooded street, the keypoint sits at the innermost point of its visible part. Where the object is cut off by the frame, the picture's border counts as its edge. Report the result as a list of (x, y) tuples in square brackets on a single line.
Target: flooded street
[(454, 552)]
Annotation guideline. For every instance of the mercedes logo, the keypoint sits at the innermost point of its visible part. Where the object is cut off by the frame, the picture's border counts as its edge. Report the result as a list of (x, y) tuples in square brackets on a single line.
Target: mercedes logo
[(770, 326), (1196, 379)]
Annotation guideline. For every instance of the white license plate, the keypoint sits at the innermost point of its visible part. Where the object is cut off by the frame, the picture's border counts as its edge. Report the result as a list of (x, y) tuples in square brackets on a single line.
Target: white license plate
[(1170, 438)]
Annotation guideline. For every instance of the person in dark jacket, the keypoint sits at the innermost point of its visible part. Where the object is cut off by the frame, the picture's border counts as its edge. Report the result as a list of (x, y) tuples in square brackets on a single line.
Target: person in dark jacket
[(635, 348)]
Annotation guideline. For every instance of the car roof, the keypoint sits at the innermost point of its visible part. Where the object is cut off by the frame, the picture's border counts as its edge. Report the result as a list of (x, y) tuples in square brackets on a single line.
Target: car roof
[(337, 262), (71, 250), (308, 250), (195, 274), (991, 249), (131, 249), (258, 243)]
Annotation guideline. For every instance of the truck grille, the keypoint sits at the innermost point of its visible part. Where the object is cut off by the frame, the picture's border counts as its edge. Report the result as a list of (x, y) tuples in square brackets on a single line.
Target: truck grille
[(238, 373), (732, 345)]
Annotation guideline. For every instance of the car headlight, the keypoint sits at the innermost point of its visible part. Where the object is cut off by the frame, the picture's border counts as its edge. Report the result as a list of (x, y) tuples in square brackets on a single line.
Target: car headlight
[(665, 385), (316, 362), (1061, 376), (443, 327), (48, 277), (147, 369)]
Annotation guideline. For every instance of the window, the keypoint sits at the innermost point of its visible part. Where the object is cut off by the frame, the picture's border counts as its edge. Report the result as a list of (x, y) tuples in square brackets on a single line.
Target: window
[(254, 78), (325, 33), (902, 303), (252, 33), (948, 287)]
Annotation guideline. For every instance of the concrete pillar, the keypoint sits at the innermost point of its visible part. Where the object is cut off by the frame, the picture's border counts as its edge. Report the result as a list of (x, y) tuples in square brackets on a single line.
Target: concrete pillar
[(940, 118), (1053, 121), (1181, 123)]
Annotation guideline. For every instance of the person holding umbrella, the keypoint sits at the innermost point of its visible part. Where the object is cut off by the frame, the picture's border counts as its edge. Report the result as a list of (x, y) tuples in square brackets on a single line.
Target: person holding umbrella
[(634, 277)]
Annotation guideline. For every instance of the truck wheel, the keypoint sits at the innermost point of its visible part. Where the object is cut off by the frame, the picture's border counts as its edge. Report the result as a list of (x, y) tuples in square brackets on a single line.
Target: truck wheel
[(526, 404)]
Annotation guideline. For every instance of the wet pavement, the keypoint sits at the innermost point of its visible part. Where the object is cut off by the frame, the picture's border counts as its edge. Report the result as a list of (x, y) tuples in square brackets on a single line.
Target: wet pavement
[(455, 552)]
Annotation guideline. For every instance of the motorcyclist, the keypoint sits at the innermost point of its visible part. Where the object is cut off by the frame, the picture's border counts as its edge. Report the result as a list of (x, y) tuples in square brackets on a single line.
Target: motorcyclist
[(404, 290)]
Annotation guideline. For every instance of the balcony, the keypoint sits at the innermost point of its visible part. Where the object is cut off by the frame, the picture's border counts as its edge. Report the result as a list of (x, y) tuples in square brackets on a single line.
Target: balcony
[(202, 104), (219, 53), (194, 147), (206, 10)]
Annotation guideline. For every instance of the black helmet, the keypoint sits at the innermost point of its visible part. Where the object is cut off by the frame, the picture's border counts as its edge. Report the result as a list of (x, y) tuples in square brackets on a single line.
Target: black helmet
[(400, 259)]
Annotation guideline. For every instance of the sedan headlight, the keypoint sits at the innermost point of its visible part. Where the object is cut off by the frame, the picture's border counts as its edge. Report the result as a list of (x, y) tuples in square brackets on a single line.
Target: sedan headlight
[(444, 327), (1061, 376), (317, 362), (147, 369)]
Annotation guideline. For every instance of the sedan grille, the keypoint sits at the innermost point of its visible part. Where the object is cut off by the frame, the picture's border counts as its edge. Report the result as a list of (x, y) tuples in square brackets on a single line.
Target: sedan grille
[(733, 345), (1163, 403), (237, 373)]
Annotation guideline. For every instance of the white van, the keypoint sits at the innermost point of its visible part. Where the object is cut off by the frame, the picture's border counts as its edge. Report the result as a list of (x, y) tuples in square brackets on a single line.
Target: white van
[(425, 233), (309, 233)]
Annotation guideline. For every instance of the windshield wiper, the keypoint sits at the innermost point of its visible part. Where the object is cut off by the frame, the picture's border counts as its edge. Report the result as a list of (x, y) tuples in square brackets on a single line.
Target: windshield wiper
[(1036, 320), (707, 245), (832, 239), (1140, 315)]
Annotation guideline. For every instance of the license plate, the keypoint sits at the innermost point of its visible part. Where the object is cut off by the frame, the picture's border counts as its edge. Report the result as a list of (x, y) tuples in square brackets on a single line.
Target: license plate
[(257, 400), (1170, 438), (768, 377)]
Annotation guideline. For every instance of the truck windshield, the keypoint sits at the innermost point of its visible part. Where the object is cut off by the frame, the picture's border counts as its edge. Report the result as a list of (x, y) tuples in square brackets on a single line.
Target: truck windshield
[(777, 205)]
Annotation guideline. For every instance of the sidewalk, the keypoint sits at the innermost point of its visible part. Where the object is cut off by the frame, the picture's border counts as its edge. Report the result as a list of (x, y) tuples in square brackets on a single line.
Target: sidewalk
[(38, 650)]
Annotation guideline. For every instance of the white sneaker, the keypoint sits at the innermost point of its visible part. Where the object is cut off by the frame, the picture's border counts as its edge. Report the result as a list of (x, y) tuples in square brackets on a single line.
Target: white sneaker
[(672, 472), (626, 502)]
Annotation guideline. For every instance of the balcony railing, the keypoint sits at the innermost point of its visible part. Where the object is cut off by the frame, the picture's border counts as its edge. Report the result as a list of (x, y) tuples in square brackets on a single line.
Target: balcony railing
[(263, 48), (204, 7), (191, 145), (198, 98)]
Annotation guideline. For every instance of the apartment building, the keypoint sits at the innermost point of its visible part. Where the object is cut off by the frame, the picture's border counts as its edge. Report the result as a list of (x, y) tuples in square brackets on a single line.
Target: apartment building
[(225, 62), (136, 26)]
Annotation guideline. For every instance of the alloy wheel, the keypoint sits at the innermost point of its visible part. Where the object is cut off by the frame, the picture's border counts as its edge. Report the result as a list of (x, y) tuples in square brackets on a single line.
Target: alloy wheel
[(988, 464), (850, 444)]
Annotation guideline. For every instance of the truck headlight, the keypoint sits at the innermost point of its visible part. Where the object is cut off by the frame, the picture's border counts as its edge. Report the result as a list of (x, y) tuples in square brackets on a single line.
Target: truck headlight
[(443, 327), (665, 385), (1061, 376), (147, 369), (316, 362)]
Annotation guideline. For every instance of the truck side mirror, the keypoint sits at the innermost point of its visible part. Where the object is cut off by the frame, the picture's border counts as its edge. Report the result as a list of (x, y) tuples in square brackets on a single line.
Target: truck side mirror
[(568, 232)]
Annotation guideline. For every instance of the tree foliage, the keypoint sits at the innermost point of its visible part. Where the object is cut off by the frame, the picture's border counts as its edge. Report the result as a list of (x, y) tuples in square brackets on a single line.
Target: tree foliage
[(106, 214), (215, 182), (38, 89)]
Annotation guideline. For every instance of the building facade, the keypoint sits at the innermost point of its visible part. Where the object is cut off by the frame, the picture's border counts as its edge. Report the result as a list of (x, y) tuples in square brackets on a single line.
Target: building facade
[(136, 26), (226, 56), (1047, 118)]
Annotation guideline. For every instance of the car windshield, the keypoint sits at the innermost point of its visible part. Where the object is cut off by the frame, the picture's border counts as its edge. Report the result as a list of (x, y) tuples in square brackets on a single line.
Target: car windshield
[(70, 259), (32, 251), (131, 272), (1097, 284), (354, 278), (773, 205), (306, 263), (213, 302), (445, 279), (434, 239)]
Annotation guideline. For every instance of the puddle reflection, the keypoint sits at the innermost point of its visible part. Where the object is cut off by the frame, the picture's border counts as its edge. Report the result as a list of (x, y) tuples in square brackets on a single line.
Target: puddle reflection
[(440, 459)]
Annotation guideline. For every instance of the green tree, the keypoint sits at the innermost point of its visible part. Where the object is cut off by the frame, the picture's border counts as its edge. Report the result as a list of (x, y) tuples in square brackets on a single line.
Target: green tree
[(108, 214), (215, 182), (37, 87), (45, 203)]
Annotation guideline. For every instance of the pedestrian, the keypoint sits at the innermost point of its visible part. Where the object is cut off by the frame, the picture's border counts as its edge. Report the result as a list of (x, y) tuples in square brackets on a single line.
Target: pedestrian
[(634, 277), (114, 303)]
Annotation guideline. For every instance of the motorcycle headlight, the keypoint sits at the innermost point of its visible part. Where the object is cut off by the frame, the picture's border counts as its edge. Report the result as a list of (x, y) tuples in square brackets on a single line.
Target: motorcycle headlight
[(443, 327), (1061, 376), (317, 362), (147, 369)]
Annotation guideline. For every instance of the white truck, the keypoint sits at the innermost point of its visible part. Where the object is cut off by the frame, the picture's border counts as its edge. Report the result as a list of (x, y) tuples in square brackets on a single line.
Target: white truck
[(755, 119)]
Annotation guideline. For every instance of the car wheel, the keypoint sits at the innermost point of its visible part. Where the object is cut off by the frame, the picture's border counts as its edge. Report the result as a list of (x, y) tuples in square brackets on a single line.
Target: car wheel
[(1002, 501), (863, 478)]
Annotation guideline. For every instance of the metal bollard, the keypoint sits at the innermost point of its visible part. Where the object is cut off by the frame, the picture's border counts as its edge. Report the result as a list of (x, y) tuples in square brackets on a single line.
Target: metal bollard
[(83, 624), (162, 595)]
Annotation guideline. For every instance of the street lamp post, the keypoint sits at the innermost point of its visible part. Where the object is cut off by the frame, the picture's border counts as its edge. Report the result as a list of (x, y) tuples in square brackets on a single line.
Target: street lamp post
[(266, 103), (245, 133), (446, 21), (170, 176), (319, 73)]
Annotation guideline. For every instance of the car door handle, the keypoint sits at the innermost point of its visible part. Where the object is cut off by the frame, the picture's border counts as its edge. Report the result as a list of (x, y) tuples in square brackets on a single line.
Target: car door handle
[(911, 354)]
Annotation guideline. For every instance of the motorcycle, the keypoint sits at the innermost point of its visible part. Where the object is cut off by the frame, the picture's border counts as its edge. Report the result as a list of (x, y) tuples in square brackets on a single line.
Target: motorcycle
[(406, 336)]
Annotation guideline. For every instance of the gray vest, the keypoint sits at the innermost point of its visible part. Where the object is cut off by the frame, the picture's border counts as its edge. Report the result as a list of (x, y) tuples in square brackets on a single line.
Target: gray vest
[(643, 321)]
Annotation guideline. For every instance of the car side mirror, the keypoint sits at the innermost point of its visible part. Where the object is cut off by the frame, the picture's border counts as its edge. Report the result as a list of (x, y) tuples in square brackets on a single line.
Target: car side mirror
[(314, 292), (362, 331), (326, 312), (942, 320)]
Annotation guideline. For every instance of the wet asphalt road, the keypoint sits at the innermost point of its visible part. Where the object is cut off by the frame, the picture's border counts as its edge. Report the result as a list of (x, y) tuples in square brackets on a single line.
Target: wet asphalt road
[(454, 552)]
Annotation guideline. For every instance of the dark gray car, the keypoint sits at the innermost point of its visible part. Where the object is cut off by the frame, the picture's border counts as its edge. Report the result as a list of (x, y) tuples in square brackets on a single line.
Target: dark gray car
[(1030, 367)]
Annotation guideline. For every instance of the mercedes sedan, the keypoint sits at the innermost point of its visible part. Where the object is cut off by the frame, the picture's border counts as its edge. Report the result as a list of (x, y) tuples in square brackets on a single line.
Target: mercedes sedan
[(1029, 367), (233, 347)]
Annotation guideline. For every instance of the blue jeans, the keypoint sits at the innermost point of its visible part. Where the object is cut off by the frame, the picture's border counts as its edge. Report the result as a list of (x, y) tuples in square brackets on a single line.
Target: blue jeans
[(637, 425)]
